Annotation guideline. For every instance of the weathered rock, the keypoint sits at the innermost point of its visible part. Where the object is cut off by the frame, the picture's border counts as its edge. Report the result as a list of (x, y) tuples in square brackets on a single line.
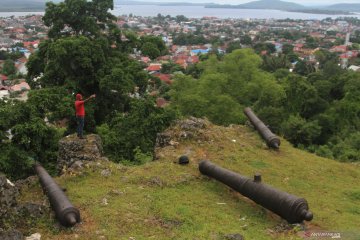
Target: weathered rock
[(115, 192), (31, 209), (192, 124), (77, 165), (104, 202), (182, 129), (8, 194), (35, 236), (11, 235), (106, 173), (163, 139), (156, 181), (27, 182), (283, 227), (72, 150)]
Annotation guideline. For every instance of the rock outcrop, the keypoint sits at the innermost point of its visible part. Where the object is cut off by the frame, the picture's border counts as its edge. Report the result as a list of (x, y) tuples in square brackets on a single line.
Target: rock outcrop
[(74, 151), (8, 194), (190, 128)]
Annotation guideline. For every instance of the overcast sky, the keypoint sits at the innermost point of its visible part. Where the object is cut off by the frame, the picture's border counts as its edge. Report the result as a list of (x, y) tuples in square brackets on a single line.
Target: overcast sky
[(303, 2)]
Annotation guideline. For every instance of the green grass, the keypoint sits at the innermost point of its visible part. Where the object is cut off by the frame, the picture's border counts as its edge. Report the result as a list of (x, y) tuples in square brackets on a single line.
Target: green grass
[(163, 200)]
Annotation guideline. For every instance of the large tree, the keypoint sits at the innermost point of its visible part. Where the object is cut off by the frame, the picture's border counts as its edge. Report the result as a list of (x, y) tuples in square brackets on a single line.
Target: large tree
[(78, 17), (83, 49)]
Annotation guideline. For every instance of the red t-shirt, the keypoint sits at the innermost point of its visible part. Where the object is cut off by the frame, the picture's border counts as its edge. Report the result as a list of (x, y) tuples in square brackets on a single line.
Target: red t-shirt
[(79, 107)]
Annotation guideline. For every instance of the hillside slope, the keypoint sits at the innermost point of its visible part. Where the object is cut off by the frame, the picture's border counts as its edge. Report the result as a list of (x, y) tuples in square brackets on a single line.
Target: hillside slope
[(164, 200), (271, 4), (353, 7)]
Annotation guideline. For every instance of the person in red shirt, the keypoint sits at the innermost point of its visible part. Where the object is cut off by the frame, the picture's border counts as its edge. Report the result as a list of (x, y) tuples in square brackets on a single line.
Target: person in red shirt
[(80, 113)]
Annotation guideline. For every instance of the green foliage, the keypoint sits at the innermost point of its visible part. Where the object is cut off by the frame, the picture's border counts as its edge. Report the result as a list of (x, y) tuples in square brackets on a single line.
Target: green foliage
[(269, 47), (273, 63), (225, 87), (149, 49), (297, 130), (30, 138), (53, 103), (171, 68), (311, 42), (181, 18), (304, 68), (128, 136), (287, 48), (77, 17), (318, 111), (189, 39), (15, 162), (75, 62), (156, 42), (246, 40), (10, 55), (323, 56), (9, 67), (233, 46)]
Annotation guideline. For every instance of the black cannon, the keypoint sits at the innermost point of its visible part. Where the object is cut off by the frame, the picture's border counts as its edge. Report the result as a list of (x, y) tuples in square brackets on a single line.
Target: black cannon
[(287, 206), (65, 212), (271, 139)]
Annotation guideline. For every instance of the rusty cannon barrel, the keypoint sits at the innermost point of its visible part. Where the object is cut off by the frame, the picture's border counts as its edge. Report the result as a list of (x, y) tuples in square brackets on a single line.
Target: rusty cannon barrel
[(65, 212), (289, 207), (271, 139)]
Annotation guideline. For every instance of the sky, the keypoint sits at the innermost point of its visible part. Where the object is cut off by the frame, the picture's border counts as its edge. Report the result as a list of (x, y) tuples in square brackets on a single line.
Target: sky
[(303, 2)]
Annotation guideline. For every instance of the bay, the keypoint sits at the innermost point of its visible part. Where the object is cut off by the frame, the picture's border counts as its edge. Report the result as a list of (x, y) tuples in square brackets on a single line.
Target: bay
[(200, 11)]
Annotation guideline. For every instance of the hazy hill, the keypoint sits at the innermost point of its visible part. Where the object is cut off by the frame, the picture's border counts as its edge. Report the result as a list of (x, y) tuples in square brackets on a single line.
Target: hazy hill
[(271, 4), (163, 200), (22, 5), (352, 7)]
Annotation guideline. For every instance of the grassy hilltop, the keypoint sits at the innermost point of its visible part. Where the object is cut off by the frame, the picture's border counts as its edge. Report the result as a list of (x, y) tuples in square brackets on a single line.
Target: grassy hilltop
[(164, 200)]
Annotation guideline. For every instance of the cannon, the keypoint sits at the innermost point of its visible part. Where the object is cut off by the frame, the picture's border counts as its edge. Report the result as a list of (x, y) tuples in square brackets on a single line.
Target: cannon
[(289, 207), (270, 138), (65, 212)]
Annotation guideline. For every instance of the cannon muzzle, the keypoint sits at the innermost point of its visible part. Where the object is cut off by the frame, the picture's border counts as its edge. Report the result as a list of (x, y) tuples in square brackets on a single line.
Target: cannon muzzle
[(289, 207), (270, 138), (65, 212)]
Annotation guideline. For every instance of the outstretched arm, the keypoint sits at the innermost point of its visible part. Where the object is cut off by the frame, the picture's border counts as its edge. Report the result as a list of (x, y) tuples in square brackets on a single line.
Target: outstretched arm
[(92, 96)]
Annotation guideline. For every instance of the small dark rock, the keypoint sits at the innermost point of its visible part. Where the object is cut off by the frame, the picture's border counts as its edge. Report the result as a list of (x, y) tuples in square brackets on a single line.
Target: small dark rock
[(183, 160)]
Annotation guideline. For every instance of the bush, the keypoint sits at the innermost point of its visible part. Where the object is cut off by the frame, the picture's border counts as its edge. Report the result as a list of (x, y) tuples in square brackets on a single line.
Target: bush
[(131, 136)]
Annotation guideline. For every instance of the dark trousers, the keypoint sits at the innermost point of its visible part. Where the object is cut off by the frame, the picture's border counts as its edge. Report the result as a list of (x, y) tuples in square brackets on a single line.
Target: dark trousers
[(80, 125)]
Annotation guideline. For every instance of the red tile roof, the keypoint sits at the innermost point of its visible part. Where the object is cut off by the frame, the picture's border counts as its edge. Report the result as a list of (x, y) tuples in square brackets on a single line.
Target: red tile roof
[(161, 102), (154, 67), (166, 78), (3, 77), (20, 87)]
